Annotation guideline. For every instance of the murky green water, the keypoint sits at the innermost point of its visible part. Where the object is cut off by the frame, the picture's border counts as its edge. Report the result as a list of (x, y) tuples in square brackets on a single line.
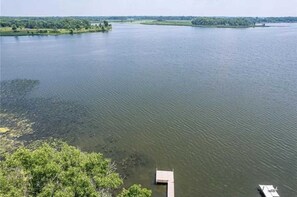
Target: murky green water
[(219, 106)]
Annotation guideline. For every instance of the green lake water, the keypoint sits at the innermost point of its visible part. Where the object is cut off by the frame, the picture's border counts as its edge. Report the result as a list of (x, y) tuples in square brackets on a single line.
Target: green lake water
[(219, 106)]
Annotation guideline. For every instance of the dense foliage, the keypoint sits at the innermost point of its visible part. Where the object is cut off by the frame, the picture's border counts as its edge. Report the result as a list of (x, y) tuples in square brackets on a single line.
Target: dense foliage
[(223, 21), (241, 21), (49, 25), (57, 169), (275, 19), (46, 22), (135, 191)]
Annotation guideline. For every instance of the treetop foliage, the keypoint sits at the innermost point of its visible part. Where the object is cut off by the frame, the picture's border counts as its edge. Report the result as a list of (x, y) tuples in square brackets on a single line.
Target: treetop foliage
[(135, 191), (57, 169)]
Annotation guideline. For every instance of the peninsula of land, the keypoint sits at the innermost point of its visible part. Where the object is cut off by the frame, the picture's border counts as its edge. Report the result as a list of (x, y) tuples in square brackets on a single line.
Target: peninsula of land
[(23, 26)]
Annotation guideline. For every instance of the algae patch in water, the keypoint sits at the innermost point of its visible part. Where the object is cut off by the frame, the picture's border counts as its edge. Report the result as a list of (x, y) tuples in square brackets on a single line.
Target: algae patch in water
[(52, 117), (3, 129), (13, 122), (12, 127)]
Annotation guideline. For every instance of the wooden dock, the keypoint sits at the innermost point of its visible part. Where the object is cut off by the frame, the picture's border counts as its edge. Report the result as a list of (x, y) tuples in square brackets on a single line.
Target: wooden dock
[(166, 177), (269, 191)]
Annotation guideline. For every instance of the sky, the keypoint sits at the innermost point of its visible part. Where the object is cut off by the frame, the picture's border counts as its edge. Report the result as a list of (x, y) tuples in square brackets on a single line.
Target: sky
[(148, 7)]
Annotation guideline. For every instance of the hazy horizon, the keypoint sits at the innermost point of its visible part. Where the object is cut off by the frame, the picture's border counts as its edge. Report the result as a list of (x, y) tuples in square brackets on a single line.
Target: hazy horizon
[(133, 16), (231, 8)]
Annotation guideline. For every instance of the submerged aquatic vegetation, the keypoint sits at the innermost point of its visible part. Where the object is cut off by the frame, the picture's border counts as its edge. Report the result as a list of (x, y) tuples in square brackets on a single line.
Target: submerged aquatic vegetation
[(33, 118), (20, 115), (13, 121), (15, 90), (126, 160), (15, 127), (52, 117)]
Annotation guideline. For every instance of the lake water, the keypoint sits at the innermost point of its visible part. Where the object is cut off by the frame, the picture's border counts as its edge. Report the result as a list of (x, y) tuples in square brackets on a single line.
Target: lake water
[(219, 106)]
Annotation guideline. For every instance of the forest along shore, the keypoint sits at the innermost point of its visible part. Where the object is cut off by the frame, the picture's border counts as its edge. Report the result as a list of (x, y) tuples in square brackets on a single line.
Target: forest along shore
[(24, 26), (213, 22)]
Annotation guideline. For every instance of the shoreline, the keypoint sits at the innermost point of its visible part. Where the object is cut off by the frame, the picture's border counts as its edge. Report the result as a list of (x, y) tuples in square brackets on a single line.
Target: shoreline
[(48, 32), (188, 24)]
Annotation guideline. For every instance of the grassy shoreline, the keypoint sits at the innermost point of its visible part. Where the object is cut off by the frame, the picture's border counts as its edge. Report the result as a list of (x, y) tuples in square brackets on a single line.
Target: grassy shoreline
[(6, 31)]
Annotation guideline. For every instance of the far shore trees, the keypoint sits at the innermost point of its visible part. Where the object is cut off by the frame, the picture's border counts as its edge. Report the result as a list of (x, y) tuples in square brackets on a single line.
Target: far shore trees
[(48, 25), (223, 21)]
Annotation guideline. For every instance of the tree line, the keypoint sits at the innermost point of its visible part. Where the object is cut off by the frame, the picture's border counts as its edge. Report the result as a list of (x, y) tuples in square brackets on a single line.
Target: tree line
[(224, 21), (160, 18), (48, 23), (241, 21), (275, 19), (78, 22)]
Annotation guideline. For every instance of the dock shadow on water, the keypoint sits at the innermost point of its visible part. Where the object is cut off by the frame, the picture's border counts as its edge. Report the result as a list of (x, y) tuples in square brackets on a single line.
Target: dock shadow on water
[(25, 119), (261, 194)]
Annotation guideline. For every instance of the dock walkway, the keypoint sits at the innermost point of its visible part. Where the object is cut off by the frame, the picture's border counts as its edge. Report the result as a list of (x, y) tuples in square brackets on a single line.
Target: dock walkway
[(166, 177)]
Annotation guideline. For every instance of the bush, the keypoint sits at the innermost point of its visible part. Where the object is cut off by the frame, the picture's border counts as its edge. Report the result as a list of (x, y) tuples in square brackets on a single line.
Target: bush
[(135, 191)]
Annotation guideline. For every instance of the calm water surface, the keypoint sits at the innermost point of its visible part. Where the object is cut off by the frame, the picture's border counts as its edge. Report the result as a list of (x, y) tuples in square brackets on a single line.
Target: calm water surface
[(219, 106)]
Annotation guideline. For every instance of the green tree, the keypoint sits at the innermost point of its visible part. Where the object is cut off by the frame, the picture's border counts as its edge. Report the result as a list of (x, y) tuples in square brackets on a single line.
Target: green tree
[(105, 23), (78, 27), (14, 28), (135, 191), (56, 169)]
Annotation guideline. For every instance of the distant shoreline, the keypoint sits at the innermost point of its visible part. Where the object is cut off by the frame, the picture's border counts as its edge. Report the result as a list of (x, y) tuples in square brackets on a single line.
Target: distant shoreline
[(47, 32), (189, 24), (30, 26), (47, 26)]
